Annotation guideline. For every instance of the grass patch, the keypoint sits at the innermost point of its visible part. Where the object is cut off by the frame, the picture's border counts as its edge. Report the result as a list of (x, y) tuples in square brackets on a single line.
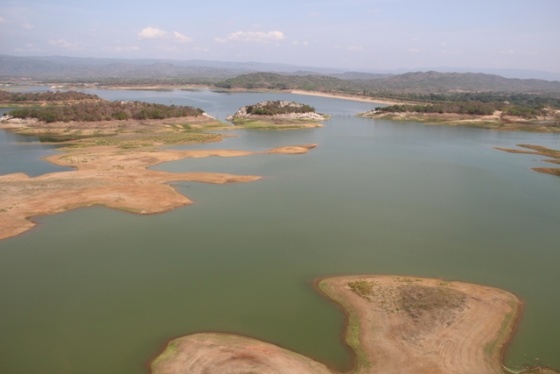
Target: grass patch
[(415, 299), (353, 328), (145, 140), (170, 350), (362, 288), (261, 124), (495, 345)]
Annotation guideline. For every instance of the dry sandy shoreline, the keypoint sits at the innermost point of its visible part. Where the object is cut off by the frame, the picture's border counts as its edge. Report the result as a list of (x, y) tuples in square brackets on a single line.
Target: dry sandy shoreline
[(395, 324), (113, 171), (348, 97)]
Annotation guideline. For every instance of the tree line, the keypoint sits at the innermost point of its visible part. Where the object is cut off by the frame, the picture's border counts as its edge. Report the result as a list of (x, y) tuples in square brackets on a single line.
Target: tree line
[(105, 111), (521, 105), (20, 97), (271, 108)]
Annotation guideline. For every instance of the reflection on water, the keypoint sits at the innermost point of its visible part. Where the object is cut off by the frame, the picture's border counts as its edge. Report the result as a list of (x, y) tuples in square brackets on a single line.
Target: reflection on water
[(20, 153), (96, 290)]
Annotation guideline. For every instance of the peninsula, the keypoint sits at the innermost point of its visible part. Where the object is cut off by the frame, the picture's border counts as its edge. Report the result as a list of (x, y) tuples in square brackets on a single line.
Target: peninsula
[(471, 114), (395, 324)]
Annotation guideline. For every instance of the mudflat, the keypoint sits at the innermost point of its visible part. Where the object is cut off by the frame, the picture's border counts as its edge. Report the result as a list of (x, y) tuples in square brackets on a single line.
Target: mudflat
[(396, 324)]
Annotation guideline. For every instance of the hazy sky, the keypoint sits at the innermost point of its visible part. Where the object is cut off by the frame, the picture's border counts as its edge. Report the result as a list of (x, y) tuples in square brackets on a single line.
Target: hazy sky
[(352, 34)]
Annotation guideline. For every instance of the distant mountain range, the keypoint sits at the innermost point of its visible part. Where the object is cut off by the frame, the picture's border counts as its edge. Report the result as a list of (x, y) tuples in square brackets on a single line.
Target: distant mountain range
[(473, 82), (60, 67), (57, 68), (263, 75)]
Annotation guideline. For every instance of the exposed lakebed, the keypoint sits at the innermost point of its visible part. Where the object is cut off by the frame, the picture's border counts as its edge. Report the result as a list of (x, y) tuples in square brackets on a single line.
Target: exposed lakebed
[(97, 290)]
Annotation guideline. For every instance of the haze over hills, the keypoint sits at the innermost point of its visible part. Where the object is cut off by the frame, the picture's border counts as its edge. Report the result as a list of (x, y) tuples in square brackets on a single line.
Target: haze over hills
[(251, 75), (73, 68)]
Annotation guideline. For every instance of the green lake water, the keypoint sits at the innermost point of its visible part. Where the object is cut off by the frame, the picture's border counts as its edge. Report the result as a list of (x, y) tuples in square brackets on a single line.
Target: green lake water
[(100, 291)]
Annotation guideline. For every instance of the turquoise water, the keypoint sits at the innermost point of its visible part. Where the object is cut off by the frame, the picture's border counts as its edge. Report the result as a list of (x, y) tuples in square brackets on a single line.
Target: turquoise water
[(97, 290)]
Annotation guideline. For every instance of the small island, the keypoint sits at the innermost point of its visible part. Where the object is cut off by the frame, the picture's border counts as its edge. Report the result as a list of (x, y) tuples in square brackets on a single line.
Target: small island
[(278, 114), (395, 324)]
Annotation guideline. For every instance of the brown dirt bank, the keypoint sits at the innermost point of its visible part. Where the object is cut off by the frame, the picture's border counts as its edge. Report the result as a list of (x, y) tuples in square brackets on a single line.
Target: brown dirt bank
[(111, 170), (553, 154), (395, 325), (211, 353)]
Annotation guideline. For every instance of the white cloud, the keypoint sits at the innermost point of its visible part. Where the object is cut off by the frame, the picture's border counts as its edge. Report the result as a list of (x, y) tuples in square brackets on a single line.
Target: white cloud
[(28, 26), (151, 33), (66, 44), (252, 36), (2, 20), (182, 38), (356, 48)]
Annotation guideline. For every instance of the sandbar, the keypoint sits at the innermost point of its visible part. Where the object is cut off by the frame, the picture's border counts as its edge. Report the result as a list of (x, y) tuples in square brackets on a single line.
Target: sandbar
[(552, 154), (395, 324)]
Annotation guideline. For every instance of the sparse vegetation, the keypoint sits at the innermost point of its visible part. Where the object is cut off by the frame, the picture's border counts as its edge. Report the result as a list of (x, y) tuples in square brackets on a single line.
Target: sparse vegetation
[(277, 115), (21, 97), (416, 299), (362, 288)]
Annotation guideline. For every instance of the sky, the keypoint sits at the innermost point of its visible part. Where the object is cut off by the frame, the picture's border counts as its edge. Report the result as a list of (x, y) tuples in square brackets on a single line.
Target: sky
[(364, 35)]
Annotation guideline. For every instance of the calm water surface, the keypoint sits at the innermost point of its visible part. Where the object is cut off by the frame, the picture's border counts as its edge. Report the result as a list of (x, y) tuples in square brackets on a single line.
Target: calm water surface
[(23, 153), (100, 291)]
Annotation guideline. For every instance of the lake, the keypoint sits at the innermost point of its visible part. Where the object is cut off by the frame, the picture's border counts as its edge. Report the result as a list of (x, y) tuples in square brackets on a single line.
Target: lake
[(101, 291)]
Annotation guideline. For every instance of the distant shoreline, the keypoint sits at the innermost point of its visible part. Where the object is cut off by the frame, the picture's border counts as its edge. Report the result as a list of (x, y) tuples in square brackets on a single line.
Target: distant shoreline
[(348, 97)]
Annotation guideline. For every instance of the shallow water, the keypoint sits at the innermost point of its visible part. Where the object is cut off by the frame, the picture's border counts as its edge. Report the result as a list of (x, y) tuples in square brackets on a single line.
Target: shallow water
[(24, 153), (97, 290)]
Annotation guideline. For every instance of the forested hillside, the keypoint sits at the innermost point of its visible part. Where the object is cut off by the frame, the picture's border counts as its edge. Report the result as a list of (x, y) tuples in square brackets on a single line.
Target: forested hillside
[(402, 85)]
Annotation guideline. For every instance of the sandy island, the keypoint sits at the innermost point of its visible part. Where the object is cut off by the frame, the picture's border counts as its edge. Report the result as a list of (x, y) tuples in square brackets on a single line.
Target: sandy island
[(395, 324), (110, 165)]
